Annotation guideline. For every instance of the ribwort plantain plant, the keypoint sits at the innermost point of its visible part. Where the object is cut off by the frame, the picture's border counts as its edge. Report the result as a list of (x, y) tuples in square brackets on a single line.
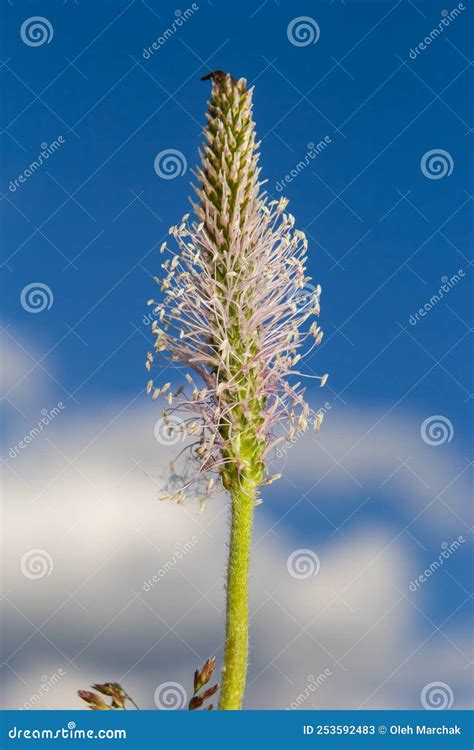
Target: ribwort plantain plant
[(235, 313)]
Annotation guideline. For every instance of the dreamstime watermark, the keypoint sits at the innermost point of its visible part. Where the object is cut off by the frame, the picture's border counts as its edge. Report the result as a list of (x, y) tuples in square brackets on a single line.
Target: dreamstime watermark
[(315, 420), (148, 318), (437, 430), (303, 563), (47, 417), (303, 31), (170, 696), (313, 684), (46, 151), (447, 551), (447, 284), (447, 17), (314, 149), (181, 17), (437, 696), (47, 683), (36, 31), (303, 295), (170, 430), (36, 563), (71, 732), (170, 163), (181, 551), (436, 164), (36, 297)]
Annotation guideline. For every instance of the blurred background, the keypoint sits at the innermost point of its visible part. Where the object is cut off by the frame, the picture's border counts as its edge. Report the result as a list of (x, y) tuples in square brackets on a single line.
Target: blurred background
[(362, 559)]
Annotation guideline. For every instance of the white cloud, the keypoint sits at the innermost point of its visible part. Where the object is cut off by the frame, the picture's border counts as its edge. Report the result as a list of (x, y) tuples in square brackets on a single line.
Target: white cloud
[(85, 492)]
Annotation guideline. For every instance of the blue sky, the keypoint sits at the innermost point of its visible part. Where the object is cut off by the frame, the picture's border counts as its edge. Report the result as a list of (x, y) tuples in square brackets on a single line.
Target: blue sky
[(382, 234), (347, 197)]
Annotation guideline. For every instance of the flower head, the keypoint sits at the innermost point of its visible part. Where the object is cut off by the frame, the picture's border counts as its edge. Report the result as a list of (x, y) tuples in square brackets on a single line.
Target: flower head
[(111, 689), (236, 301)]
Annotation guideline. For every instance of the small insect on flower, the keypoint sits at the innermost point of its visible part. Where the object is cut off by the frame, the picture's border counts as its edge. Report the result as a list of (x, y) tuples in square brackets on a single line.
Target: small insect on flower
[(234, 309)]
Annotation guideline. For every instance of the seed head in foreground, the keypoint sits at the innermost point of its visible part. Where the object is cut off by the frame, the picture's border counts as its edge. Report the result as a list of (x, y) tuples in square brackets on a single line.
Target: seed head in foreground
[(235, 310)]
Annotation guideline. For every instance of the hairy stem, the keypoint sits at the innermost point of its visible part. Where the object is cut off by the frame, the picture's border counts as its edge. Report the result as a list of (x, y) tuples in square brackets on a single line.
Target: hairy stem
[(236, 641)]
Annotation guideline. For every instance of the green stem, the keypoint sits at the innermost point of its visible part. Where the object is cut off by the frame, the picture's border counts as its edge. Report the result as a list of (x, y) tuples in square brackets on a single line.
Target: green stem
[(236, 641)]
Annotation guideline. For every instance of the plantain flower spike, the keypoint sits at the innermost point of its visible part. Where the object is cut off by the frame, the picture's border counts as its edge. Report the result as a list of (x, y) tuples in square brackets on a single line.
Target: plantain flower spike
[(235, 309)]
